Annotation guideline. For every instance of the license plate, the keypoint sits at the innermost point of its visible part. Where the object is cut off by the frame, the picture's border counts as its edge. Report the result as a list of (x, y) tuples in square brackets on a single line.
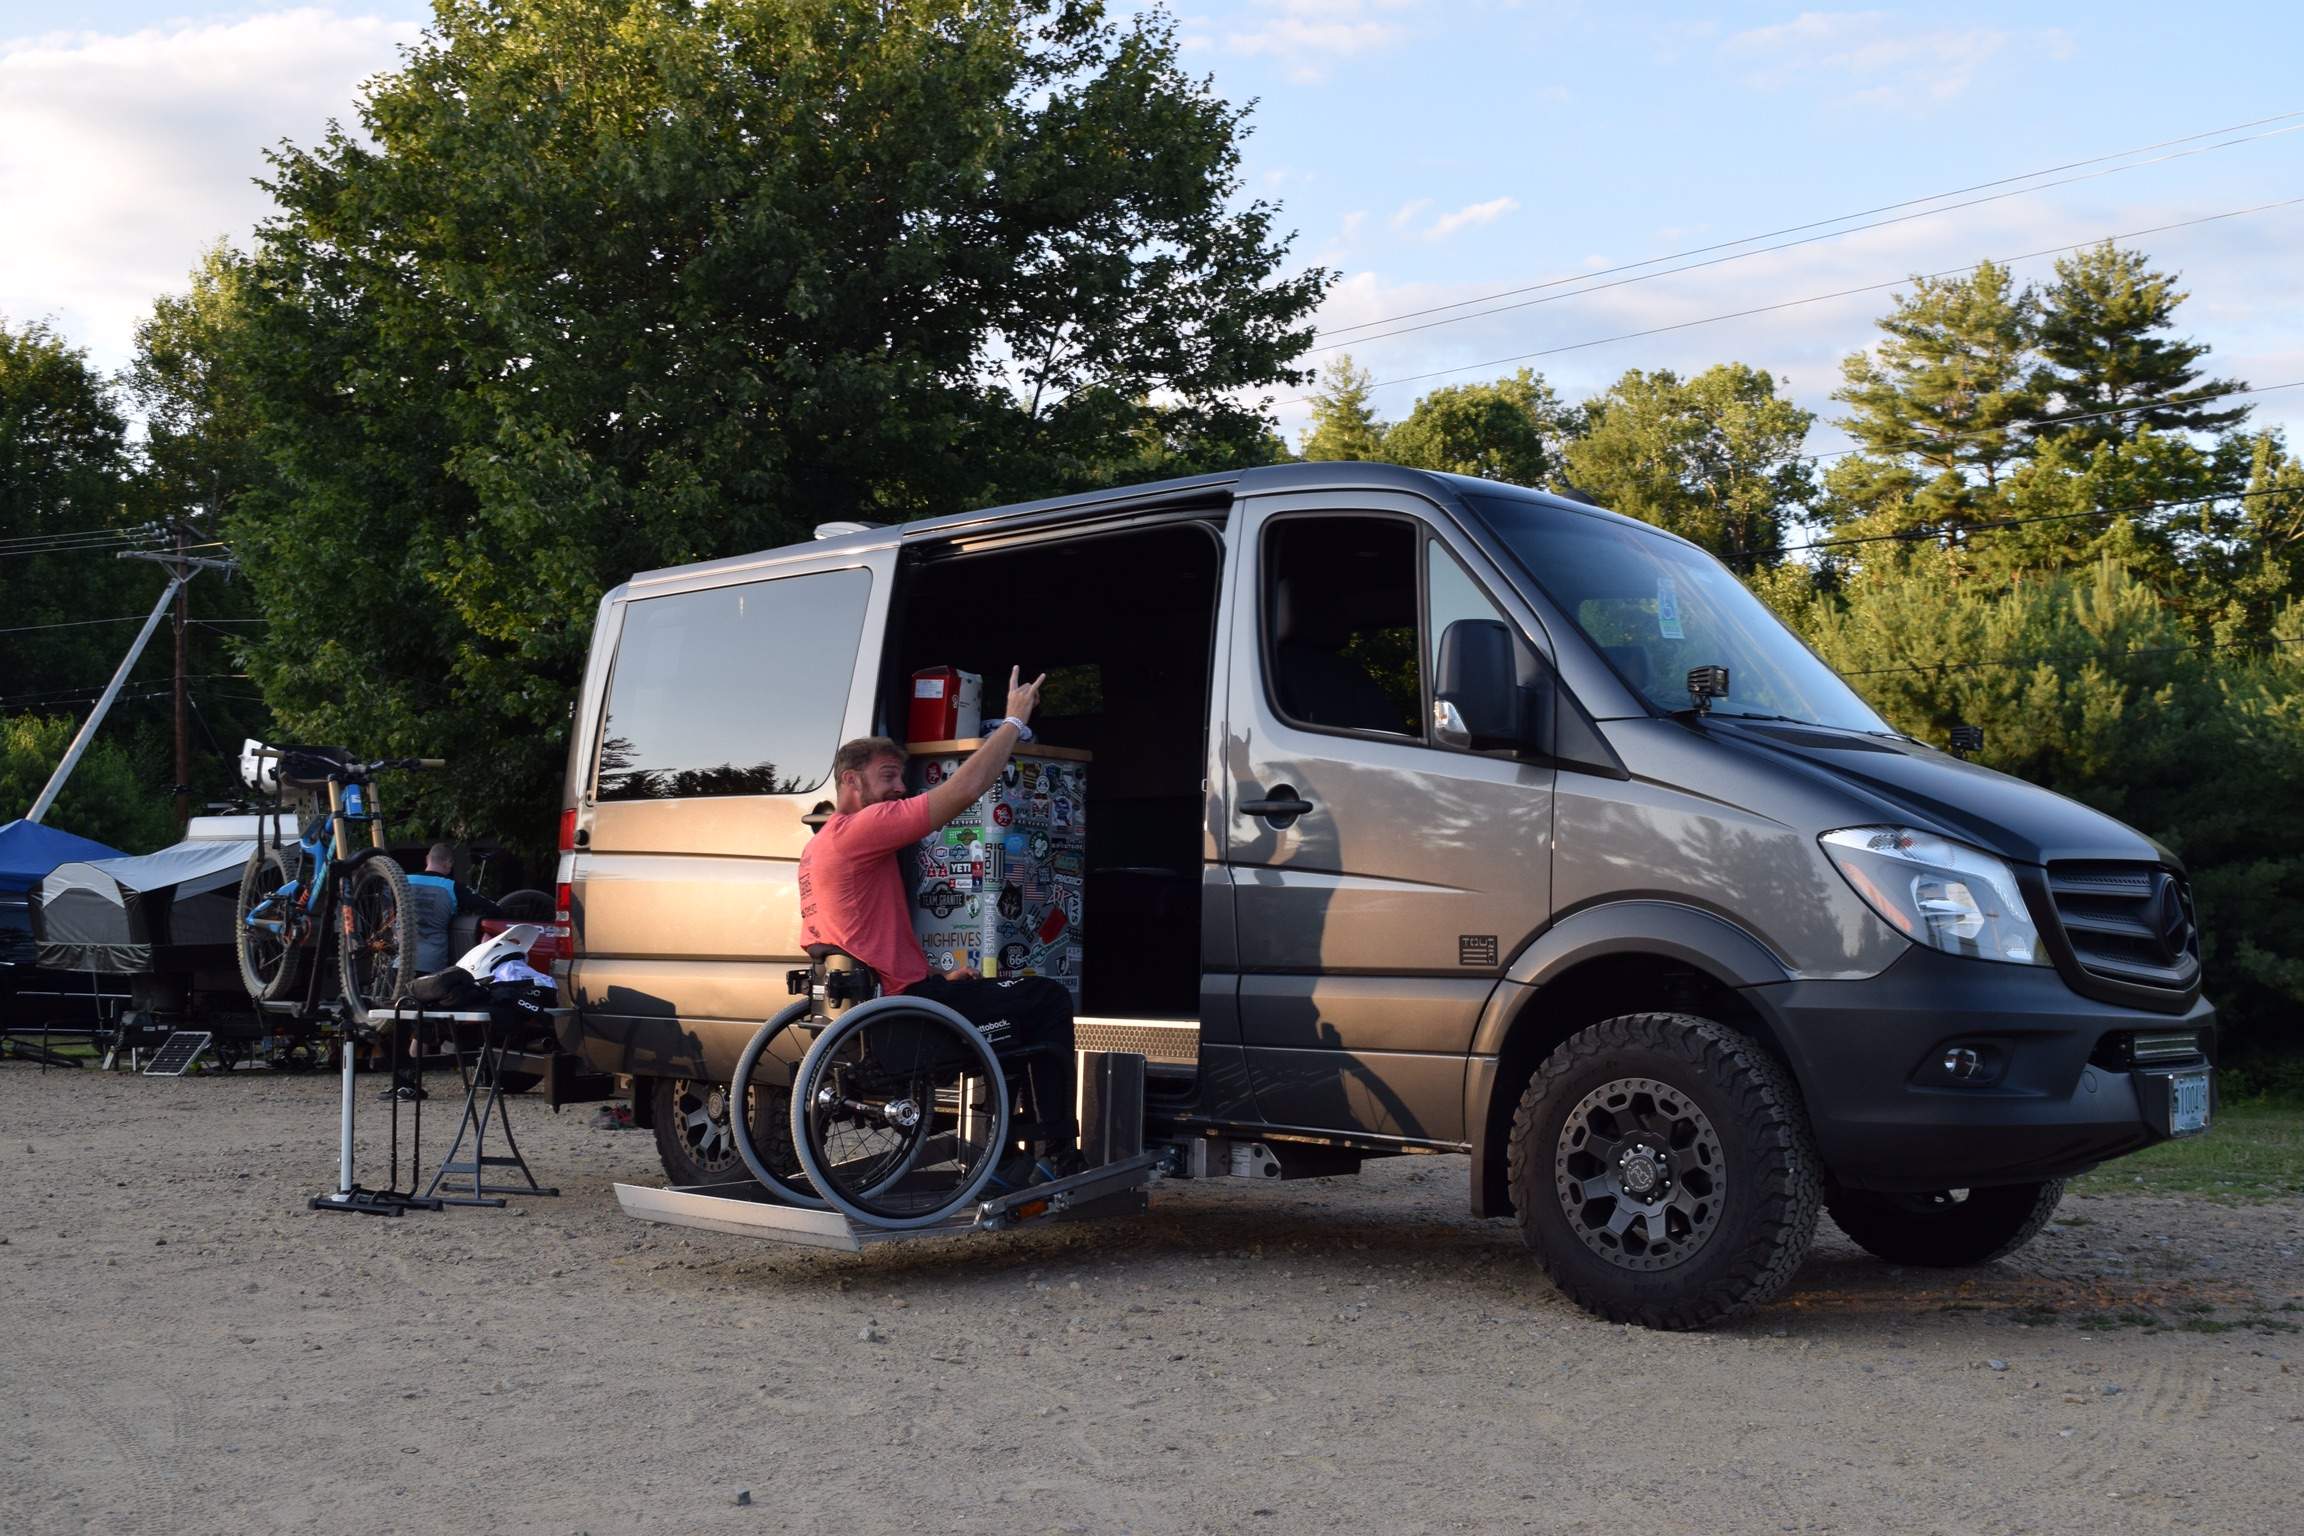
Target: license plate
[(2188, 1103)]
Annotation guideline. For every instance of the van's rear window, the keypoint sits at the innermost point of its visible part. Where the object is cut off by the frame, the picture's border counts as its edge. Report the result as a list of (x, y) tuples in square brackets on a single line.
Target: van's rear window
[(736, 690)]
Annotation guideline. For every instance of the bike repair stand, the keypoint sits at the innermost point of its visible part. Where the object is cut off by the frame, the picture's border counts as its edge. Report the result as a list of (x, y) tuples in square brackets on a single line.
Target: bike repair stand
[(349, 1195), (483, 1078)]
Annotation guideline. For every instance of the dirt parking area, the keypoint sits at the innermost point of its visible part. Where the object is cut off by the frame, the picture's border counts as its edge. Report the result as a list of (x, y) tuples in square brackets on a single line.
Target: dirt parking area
[(185, 1348)]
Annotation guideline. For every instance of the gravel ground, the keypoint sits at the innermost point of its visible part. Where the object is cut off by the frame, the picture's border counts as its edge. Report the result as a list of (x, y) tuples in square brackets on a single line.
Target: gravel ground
[(185, 1348)]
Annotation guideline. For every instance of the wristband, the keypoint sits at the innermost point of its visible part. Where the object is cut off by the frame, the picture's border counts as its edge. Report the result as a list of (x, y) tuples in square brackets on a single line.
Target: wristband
[(1023, 731)]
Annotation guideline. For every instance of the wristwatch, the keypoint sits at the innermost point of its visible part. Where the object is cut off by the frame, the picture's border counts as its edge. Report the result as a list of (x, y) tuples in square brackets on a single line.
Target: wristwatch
[(1023, 731)]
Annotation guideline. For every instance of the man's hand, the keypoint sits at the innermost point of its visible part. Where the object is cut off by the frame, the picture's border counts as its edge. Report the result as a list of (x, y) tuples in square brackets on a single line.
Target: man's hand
[(982, 769), (960, 973), (1023, 698)]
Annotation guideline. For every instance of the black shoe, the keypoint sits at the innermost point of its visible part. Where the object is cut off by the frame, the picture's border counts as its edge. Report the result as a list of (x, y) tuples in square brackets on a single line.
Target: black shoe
[(406, 1093)]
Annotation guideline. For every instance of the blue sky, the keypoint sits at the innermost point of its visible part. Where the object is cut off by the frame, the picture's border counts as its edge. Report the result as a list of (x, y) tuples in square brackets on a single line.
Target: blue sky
[(1430, 152)]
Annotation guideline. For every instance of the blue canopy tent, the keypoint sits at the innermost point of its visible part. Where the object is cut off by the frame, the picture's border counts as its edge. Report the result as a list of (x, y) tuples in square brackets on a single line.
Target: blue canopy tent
[(28, 852), (29, 849)]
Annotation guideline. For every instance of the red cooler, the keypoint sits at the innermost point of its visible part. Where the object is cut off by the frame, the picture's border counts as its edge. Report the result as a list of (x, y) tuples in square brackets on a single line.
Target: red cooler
[(947, 705)]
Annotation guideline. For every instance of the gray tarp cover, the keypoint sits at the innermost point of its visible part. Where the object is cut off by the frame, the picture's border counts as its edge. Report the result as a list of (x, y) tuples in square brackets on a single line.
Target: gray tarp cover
[(107, 914)]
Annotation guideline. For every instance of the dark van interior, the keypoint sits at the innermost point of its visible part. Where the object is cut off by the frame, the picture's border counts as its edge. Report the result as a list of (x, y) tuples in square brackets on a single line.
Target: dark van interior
[(1123, 624)]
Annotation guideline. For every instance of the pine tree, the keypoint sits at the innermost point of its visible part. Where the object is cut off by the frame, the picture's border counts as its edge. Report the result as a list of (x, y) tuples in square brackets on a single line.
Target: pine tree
[(1344, 424), (1948, 388), (2101, 339)]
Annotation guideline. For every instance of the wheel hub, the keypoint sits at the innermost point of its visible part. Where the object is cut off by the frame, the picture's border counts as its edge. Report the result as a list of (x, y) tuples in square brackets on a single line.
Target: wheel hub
[(1640, 1174)]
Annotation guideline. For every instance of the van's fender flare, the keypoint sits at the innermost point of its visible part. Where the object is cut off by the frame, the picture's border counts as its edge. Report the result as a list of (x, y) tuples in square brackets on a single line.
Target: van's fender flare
[(1667, 930)]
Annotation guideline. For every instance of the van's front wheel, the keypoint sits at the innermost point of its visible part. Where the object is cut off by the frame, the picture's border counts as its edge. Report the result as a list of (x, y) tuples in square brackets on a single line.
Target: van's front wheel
[(1663, 1171), (1949, 1227)]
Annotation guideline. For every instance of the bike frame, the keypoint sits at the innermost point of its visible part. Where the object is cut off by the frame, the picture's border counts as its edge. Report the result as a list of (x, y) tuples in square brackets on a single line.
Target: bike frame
[(327, 846)]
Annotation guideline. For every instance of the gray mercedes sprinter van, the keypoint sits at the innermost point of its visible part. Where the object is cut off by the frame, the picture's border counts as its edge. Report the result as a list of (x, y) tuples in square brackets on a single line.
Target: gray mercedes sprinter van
[(1431, 814)]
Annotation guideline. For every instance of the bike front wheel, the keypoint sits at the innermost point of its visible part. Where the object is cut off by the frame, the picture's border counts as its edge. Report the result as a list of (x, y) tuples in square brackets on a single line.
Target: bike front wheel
[(376, 941)]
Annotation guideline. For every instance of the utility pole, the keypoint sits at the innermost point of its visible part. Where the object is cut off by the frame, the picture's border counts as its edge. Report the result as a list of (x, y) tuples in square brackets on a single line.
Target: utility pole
[(181, 568), (183, 740)]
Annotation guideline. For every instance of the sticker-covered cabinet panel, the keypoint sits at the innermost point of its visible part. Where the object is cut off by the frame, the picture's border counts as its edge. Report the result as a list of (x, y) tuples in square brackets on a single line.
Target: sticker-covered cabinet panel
[(998, 889)]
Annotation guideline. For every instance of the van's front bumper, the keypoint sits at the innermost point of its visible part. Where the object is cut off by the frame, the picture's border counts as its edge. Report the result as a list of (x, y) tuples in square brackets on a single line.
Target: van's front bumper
[(1886, 1117)]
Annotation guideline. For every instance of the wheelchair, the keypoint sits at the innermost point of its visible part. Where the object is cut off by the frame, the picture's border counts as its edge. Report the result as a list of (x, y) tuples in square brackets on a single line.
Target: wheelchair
[(901, 1111)]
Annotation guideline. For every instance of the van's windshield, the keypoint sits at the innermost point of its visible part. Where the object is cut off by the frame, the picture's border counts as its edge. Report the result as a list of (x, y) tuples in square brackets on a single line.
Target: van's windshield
[(1657, 608)]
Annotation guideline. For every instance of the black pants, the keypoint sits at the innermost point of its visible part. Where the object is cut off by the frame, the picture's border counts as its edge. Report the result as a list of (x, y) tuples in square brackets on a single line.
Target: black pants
[(1029, 1014)]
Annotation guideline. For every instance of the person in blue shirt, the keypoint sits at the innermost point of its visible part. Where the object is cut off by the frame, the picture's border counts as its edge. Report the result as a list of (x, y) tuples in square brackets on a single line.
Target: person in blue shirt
[(437, 898)]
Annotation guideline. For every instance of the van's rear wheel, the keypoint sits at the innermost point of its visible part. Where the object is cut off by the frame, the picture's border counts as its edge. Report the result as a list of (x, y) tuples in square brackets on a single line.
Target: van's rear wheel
[(1663, 1171), (693, 1137), (1946, 1228)]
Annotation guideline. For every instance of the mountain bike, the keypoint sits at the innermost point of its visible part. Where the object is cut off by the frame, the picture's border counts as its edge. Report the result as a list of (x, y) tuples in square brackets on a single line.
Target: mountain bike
[(295, 895)]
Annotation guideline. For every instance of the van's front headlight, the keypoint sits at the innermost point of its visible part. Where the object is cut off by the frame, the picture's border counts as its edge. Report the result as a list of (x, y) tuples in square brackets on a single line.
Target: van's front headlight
[(1962, 900)]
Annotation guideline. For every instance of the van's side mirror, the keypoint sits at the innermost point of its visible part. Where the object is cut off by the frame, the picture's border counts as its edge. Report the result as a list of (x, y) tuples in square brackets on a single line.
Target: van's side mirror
[(1478, 703)]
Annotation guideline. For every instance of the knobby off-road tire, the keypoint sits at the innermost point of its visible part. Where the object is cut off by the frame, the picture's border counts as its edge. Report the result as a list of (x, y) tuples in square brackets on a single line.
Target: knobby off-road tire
[(1948, 1228), (272, 970), (693, 1137), (1663, 1171)]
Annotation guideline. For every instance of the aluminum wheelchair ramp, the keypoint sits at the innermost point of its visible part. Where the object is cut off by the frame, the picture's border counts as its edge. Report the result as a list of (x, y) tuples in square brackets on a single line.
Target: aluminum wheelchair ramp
[(742, 1207)]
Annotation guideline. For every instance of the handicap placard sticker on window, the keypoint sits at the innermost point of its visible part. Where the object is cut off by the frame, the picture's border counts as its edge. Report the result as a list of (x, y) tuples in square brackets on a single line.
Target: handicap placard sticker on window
[(1668, 609)]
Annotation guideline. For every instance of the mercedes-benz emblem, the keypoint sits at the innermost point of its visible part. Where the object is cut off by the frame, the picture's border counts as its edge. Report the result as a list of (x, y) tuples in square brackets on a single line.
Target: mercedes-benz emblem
[(2171, 927)]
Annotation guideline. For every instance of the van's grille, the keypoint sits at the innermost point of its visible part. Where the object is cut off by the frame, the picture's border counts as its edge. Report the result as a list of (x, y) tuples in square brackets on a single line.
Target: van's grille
[(2129, 923)]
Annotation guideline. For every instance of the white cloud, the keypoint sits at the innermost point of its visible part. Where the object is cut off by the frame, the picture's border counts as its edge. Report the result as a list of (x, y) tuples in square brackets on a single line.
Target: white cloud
[(1305, 37), (122, 156), (1405, 214), (1877, 59), (1471, 216)]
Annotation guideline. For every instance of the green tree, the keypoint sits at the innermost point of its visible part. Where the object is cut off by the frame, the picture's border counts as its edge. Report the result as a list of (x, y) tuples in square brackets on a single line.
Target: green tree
[(1714, 458), (65, 491), (2101, 338), (109, 797), (1941, 402), (1344, 424), (613, 285), (1510, 430)]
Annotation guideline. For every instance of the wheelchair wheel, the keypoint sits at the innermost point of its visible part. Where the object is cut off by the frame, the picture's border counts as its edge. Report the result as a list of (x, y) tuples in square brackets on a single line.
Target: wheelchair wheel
[(899, 1113), (775, 1166)]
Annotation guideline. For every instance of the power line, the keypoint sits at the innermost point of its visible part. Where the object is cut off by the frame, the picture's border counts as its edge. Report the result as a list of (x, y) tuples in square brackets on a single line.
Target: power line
[(1793, 229), (1816, 298), (1695, 266), (2026, 661), (25, 629), (2172, 402)]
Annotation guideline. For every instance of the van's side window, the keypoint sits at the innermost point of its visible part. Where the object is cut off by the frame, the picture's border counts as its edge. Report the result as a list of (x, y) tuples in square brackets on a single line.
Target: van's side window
[(1340, 623), (735, 690)]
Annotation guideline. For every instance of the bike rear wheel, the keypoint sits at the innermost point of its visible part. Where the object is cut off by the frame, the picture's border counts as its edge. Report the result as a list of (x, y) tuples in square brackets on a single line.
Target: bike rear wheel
[(899, 1113), (273, 961), (376, 952)]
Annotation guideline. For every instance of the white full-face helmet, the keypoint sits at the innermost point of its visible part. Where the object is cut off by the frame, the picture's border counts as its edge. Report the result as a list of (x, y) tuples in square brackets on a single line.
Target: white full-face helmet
[(259, 767)]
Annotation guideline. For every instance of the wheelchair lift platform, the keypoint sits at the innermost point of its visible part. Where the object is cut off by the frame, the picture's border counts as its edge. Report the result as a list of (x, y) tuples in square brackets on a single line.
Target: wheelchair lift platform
[(746, 1209)]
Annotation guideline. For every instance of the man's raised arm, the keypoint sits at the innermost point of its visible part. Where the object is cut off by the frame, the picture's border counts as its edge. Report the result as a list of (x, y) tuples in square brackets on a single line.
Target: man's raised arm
[(982, 769)]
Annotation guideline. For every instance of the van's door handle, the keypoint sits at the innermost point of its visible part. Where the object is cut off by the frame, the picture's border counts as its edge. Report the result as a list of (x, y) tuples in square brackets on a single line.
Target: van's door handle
[(1281, 807)]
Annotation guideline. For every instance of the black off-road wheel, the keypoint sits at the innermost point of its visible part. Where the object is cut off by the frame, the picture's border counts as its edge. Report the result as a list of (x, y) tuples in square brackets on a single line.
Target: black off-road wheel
[(1946, 1228), (694, 1139), (1663, 1171)]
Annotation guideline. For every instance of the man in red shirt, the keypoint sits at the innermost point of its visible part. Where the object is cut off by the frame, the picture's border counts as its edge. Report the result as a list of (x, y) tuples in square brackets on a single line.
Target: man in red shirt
[(853, 897)]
